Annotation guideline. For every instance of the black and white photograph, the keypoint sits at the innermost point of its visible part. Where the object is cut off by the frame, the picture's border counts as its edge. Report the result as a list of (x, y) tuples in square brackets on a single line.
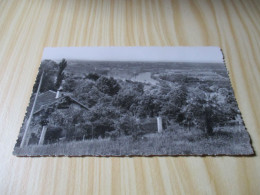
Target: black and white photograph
[(133, 101)]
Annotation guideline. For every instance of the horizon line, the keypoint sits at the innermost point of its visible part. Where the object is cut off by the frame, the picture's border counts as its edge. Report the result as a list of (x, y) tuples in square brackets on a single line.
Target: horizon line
[(147, 61)]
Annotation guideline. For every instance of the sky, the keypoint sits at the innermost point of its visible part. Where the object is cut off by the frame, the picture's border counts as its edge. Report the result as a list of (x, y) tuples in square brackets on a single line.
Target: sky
[(162, 54)]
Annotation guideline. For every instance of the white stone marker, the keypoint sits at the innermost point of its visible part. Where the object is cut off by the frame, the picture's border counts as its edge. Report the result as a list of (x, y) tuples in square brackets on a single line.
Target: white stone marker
[(159, 124), (44, 129)]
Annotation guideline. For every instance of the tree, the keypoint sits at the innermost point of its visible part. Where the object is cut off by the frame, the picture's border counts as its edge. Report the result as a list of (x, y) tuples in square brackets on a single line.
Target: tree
[(173, 102), (180, 95), (70, 120), (102, 119), (125, 125), (70, 83), (60, 75), (204, 110), (87, 93), (108, 85), (148, 106), (50, 69), (53, 75), (92, 76), (125, 98)]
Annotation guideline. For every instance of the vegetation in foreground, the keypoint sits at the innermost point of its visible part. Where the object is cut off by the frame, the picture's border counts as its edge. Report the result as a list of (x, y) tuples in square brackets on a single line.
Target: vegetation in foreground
[(179, 142)]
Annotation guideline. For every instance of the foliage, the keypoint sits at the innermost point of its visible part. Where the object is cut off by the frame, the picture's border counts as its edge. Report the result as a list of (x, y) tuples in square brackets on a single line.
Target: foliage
[(116, 106), (92, 76), (126, 97), (149, 106), (126, 124), (88, 94), (205, 111), (179, 78), (175, 99), (70, 83), (53, 75), (69, 121), (108, 85), (50, 69), (102, 119), (53, 134), (60, 74)]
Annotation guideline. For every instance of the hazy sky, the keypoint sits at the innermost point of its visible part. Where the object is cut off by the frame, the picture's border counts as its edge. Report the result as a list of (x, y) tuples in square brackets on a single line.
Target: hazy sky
[(164, 54)]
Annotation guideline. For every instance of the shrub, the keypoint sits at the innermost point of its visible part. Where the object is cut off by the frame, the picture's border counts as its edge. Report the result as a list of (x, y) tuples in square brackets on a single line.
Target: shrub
[(92, 76), (108, 85)]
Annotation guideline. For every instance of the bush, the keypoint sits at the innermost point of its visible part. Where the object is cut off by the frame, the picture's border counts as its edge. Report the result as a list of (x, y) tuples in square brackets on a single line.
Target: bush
[(126, 125), (92, 76), (108, 85)]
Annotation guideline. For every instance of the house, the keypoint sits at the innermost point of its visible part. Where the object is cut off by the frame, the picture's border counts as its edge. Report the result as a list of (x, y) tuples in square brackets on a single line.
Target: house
[(47, 103), (42, 99), (50, 97)]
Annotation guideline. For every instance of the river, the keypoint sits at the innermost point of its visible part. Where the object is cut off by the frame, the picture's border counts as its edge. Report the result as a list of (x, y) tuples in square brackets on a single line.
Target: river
[(145, 77)]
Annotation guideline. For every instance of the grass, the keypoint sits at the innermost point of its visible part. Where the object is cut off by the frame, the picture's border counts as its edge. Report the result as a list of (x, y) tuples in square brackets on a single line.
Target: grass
[(168, 143)]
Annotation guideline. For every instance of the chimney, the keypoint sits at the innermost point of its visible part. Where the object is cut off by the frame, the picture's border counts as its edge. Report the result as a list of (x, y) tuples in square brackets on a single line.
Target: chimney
[(58, 93)]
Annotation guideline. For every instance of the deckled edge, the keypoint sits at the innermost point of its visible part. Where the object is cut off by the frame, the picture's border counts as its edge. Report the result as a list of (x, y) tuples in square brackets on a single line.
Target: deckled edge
[(25, 114), (229, 78), (131, 156)]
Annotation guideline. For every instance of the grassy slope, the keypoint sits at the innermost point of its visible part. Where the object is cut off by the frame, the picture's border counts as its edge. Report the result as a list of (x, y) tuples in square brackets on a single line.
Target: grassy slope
[(168, 143)]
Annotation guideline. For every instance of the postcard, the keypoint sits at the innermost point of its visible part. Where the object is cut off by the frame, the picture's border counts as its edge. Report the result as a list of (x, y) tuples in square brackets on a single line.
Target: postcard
[(133, 101)]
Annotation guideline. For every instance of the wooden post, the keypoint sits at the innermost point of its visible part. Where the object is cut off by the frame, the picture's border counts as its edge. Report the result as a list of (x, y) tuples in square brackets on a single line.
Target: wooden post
[(57, 94), (44, 130), (159, 124), (27, 133)]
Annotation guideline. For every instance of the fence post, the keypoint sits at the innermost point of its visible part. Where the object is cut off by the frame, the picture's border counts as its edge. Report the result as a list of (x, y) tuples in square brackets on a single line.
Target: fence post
[(159, 124), (44, 129)]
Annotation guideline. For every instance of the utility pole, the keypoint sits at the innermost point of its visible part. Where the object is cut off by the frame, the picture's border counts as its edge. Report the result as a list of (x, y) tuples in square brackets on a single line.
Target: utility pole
[(26, 135)]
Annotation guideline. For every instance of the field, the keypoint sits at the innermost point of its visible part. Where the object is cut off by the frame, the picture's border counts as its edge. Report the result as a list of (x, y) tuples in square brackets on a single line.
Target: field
[(129, 69)]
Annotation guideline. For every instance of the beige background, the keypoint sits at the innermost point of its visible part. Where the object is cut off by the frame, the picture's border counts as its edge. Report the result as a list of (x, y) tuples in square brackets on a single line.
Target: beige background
[(26, 27)]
